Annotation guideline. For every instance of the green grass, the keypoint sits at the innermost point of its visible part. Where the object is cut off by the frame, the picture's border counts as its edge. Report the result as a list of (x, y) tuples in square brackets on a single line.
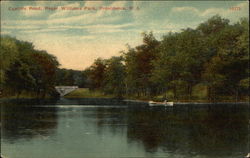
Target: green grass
[(23, 95), (199, 91), (86, 93)]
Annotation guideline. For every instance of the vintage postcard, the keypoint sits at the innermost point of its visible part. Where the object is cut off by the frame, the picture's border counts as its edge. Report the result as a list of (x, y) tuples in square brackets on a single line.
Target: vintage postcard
[(116, 79)]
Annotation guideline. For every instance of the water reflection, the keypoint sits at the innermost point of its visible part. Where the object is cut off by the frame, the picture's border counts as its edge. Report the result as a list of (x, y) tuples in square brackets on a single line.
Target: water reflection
[(24, 121), (113, 118), (214, 132), (87, 130)]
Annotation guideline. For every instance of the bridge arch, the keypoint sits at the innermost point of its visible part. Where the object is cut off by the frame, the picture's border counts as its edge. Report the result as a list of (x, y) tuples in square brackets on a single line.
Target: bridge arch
[(63, 90)]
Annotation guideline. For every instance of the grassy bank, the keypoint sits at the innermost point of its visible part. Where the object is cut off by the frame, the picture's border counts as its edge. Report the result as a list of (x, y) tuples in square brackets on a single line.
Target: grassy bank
[(86, 93), (23, 95), (200, 97)]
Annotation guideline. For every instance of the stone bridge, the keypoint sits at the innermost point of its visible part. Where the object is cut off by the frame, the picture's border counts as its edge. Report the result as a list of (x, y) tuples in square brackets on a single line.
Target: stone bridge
[(63, 90)]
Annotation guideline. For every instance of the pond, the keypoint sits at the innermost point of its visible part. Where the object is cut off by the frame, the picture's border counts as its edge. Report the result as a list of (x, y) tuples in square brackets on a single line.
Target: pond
[(103, 128)]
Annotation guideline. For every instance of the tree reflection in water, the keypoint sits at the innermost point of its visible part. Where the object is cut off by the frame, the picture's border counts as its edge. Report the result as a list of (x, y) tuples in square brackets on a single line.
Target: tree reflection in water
[(112, 119), (25, 121), (218, 130), (214, 131)]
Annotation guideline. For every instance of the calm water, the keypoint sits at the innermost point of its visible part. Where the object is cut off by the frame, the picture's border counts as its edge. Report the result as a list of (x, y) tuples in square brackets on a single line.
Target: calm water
[(79, 129)]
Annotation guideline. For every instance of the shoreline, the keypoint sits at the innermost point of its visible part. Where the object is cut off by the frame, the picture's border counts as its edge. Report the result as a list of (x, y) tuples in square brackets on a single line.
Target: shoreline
[(129, 101), (84, 93), (192, 103)]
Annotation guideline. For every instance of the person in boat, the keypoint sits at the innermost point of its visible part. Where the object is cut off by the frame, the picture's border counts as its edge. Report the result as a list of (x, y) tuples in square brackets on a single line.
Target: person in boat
[(165, 98)]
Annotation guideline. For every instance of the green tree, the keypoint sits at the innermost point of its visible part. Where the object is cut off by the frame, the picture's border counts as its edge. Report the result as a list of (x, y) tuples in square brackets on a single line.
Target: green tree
[(166, 68), (229, 66), (96, 73), (19, 73), (243, 47), (44, 71), (214, 55), (213, 25), (132, 72), (114, 77), (139, 66), (8, 54), (27, 69)]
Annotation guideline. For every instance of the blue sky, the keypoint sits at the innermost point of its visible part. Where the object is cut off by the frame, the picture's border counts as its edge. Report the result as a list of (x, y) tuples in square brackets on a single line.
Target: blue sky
[(77, 37)]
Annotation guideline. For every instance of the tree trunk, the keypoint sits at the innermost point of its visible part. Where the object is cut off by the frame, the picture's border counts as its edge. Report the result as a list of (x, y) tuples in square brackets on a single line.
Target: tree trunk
[(209, 93), (18, 93), (189, 91), (43, 94), (175, 93), (236, 95)]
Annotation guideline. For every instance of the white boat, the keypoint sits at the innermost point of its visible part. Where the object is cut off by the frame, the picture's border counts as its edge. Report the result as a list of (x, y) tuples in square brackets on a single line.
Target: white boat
[(165, 103), (248, 155)]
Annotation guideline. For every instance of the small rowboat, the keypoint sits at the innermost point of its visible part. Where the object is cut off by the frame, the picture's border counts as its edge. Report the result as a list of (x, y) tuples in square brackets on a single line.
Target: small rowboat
[(248, 155), (165, 103)]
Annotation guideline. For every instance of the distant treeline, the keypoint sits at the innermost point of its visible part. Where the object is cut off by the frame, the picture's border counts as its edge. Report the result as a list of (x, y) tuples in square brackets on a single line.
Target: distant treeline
[(212, 59), (69, 77)]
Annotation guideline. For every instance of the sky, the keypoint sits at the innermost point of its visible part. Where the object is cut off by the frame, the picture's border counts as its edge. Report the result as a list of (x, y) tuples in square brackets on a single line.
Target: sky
[(91, 29)]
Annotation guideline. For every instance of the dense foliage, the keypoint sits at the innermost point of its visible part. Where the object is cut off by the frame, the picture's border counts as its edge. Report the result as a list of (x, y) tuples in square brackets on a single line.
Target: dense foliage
[(208, 62), (25, 69), (213, 57), (69, 77)]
